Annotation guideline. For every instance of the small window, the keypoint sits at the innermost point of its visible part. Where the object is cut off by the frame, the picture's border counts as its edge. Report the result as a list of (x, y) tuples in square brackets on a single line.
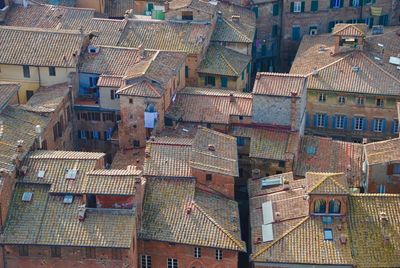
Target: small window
[(136, 143), (208, 177), (341, 100), (224, 81), (240, 141), (27, 196), (40, 174), (358, 123), (130, 101), (322, 97), (297, 7), (360, 101), (240, 117), (379, 102), (68, 199), (29, 94), (90, 253), (172, 263), (334, 207), (209, 80), (328, 235), (197, 252), (146, 261), (395, 126), (340, 121), (186, 71), (52, 71), (112, 94), (55, 252), (321, 120), (281, 164), (320, 206), (23, 250), (187, 15), (27, 73), (218, 254), (116, 254), (396, 169)]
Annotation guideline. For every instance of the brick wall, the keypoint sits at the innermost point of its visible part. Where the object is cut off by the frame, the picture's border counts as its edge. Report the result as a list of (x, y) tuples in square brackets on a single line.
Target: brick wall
[(221, 183)]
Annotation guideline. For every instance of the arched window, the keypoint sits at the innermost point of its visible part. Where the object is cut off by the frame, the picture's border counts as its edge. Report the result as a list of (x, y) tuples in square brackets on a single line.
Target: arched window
[(334, 206), (320, 206)]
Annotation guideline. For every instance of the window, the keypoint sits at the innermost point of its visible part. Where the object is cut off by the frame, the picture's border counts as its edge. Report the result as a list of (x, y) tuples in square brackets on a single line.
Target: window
[(320, 206), (146, 261), (384, 20), (395, 126), (113, 94), (82, 134), (29, 94), (108, 117), (55, 252), (381, 188), (52, 71), (197, 252), (320, 120), (130, 101), (208, 177), (186, 71), (360, 101), (90, 253), (116, 254), (275, 10), (328, 235), (396, 169), (378, 125), (218, 254), (336, 3), (224, 81), (27, 73), (240, 141), (341, 100), (358, 123), (322, 97), (93, 81), (187, 15), (314, 5), (281, 164), (172, 263), (243, 75), (379, 102), (23, 250), (340, 122), (274, 30), (296, 7), (209, 80), (296, 33), (334, 207)]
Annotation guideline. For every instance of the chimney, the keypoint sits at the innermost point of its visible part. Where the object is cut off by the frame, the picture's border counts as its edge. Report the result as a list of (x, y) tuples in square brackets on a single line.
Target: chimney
[(20, 146), (255, 174), (235, 18), (141, 51), (211, 147), (166, 6), (293, 111), (343, 239), (386, 239), (231, 97), (82, 213)]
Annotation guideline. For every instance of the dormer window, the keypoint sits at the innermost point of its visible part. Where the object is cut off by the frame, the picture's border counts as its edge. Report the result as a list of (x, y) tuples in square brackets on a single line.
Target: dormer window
[(334, 207), (320, 206)]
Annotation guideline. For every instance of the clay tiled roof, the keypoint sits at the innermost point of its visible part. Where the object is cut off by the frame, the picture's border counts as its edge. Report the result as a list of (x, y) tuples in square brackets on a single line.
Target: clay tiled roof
[(47, 99), (109, 60), (240, 31), (117, 8), (269, 144), (168, 158), (222, 158), (25, 46), (48, 16), (111, 181), (223, 61), (326, 183), (343, 29), (46, 220), (7, 92), (198, 5), (210, 105), (17, 124), (255, 189), (173, 211), (319, 154), (382, 151), (69, 3), (110, 81), (165, 35), (56, 164), (141, 88), (108, 32), (369, 232), (305, 244), (279, 84)]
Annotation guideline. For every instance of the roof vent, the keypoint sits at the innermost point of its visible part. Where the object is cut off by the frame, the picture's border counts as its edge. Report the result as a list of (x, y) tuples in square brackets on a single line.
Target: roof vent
[(343, 239), (71, 174), (315, 72), (394, 60), (27, 196), (93, 50), (211, 147), (355, 69), (82, 213), (266, 182), (277, 216), (68, 198), (40, 174), (235, 18), (377, 29), (255, 173), (383, 217)]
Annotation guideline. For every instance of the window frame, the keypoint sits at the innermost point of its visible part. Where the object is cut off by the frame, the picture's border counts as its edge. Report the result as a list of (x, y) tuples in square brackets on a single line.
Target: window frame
[(172, 263), (23, 250), (52, 71), (360, 101), (145, 261), (341, 100), (26, 71), (218, 255), (360, 123), (297, 7), (322, 97), (378, 125), (320, 120), (197, 252), (396, 172), (55, 251), (379, 102), (209, 177), (339, 124)]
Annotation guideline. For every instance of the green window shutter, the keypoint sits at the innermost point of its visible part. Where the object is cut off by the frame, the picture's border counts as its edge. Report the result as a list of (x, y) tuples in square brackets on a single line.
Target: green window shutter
[(350, 3), (303, 5), (275, 10), (243, 75), (274, 30), (186, 71), (212, 82), (373, 1), (314, 5), (224, 81), (341, 3), (291, 6)]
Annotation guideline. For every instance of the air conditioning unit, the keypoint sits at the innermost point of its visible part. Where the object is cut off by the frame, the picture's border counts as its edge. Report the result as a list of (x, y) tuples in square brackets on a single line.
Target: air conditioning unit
[(313, 31)]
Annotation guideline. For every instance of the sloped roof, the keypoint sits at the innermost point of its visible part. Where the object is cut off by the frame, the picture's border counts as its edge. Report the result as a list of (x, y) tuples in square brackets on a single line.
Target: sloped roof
[(46, 220), (382, 151), (110, 81), (212, 221), (223, 159), (279, 84), (39, 47), (117, 8), (109, 31), (166, 35), (210, 105), (327, 183), (199, 5), (141, 88), (343, 29), (223, 61), (7, 91), (47, 99)]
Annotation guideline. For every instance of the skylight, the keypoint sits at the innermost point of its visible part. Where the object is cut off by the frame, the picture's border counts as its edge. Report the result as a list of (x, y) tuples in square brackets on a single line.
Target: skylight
[(68, 198), (40, 174), (71, 174), (27, 196), (328, 235), (311, 150)]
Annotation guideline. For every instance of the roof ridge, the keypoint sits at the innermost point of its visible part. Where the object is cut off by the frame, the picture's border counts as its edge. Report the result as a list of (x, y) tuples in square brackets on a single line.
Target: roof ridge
[(330, 64), (284, 74), (227, 233), (327, 175), (380, 68), (262, 250), (228, 63), (236, 30)]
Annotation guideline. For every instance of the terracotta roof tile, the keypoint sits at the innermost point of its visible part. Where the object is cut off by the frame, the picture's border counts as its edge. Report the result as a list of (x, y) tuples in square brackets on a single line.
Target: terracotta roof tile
[(382, 151), (279, 84), (199, 5), (342, 29), (7, 91), (212, 221), (110, 81), (108, 32), (327, 183), (142, 88), (117, 8), (47, 99)]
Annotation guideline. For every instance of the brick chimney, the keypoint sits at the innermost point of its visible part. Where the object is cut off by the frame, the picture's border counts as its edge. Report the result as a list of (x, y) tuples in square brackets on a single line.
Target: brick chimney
[(166, 6), (141, 52), (293, 111), (232, 98)]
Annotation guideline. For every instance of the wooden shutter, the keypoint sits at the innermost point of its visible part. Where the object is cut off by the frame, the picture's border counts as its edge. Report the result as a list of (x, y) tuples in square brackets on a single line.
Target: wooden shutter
[(303, 4), (291, 6), (390, 168)]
